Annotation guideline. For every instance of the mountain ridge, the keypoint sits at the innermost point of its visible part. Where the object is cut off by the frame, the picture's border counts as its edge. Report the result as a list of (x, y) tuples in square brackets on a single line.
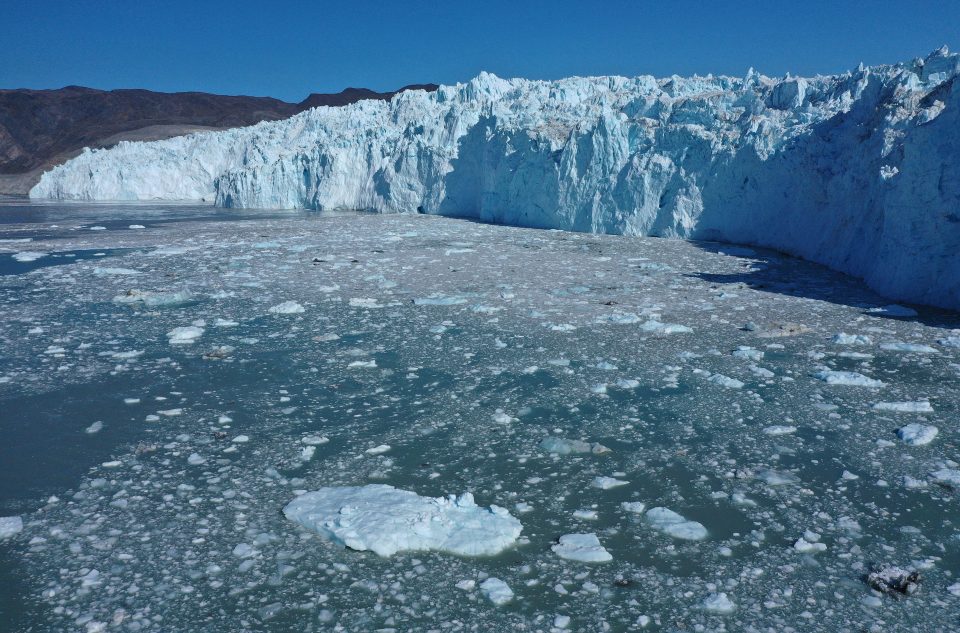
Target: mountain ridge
[(43, 128)]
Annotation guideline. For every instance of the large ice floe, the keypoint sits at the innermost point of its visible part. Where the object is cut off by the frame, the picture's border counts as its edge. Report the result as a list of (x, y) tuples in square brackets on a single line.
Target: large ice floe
[(857, 171), (385, 520)]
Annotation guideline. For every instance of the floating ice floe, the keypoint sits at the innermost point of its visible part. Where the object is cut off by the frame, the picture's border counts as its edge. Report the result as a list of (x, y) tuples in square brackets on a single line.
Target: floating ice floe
[(852, 339), (636, 507), (496, 591), (385, 520), (776, 477), (656, 327), (846, 378), (560, 446), (605, 483), (584, 548), (675, 525), (28, 256), (780, 429), (726, 381), (154, 299), (439, 300), (287, 307), (186, 335), (949, 477), (719, 603), (913, 348), (10, 526), (917, 434), (112, 272), (922, 406)]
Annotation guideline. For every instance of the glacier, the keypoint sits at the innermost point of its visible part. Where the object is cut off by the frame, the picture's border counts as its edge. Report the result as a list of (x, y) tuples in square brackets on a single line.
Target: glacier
[(858, 171)]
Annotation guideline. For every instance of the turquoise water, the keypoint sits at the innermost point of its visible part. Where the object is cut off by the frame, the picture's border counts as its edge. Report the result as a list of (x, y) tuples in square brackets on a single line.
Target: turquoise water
[(484, 340)]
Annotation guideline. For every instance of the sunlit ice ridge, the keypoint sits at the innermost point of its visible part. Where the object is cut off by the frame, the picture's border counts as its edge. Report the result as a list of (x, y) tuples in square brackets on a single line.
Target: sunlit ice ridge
[(858, 171)]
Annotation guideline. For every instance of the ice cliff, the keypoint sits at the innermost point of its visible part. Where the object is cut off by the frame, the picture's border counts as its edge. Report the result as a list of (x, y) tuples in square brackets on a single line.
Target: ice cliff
[(859, 171)]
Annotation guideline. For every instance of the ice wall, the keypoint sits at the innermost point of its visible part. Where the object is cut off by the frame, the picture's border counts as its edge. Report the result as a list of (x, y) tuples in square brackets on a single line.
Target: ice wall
[(859, 171)]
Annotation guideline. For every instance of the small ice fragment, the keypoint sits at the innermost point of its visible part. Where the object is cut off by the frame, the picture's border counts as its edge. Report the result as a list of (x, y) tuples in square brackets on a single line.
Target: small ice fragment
[(287, 307), (378, 450), (585, 515), (663, 329), (10, 526), (719, 603), (96, 427), (675, 525), (913, 348), (917, 434), (240, 439), (196, 459), (184, 335), (923, 406), (846, 378), (466, 585), (315, 440), (780, 429), (496, 591), (584, 548), (852, 339), (636, 507), (606, 483), (726, 381), (28, 256), (806, 547)]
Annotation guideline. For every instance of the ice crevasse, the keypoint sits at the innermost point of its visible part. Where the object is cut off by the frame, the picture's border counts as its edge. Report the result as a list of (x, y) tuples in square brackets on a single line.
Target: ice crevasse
[(858, 171)]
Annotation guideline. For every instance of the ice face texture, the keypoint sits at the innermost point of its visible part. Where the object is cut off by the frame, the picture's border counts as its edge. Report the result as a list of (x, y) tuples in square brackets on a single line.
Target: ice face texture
[(385, 520), (857, 171)]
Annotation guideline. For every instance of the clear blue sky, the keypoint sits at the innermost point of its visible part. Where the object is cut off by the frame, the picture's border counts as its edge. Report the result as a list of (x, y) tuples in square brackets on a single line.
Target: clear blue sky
[(287, 50)]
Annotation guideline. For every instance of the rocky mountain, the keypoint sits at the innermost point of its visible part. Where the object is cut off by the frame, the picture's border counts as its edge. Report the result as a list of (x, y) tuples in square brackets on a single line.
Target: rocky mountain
[(42, 128)]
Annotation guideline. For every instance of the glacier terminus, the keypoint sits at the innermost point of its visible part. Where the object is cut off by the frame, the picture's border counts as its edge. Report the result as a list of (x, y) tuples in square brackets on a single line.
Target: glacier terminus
[(857, 171)]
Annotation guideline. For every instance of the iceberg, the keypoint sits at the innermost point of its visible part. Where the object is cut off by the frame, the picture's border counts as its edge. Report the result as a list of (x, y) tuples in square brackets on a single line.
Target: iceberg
[(386, 520), (857, 171)]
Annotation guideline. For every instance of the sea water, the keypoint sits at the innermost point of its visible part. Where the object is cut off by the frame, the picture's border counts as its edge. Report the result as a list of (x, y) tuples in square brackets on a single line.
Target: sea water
[(172, 377)]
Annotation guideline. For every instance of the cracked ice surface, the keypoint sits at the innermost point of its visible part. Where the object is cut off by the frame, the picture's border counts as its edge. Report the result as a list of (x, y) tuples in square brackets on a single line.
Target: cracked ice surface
[(169, 517)]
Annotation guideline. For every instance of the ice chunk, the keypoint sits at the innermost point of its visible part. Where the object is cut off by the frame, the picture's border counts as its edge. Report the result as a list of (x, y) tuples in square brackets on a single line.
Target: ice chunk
[(922, 406), (719, 603), (909, 348), (584, 548), (917, 434), (496, 591), (948, 477), (675, 525), (852, 339), (186, 335), (846, 378), (287, 307), (605, 483), (656, 327), (28, 256), (726, 381), (560, 446), (780, 429), (385, 520), (10, 526)]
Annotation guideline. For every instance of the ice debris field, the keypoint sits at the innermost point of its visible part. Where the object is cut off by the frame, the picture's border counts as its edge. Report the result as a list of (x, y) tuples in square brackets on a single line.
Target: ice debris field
[(857, 171), (408, 422)]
